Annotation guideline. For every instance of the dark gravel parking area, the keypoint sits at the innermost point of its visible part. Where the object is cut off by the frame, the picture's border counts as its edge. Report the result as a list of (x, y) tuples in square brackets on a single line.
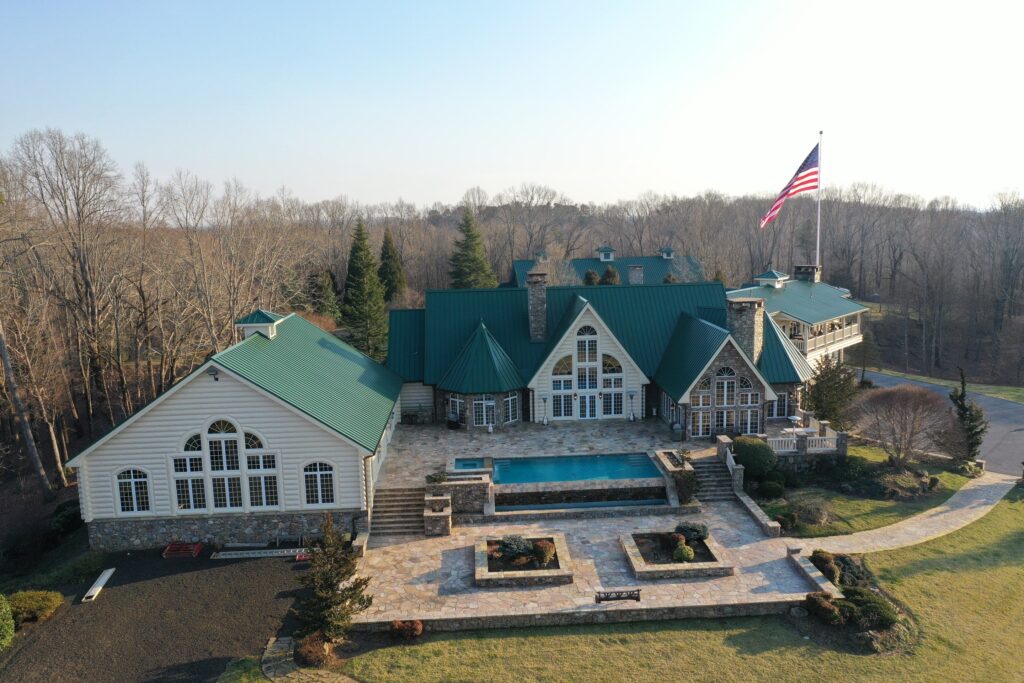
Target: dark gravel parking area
[(160, 620)]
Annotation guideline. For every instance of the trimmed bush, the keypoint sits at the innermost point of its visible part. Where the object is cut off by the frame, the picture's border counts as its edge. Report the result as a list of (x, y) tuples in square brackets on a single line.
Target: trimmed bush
[(851, 573), (544, 551), (874, 612), (693, 531), (6, 624), (822, 607), (683, 553), (826, 564), (770, 490), (514, 545), (66, 517), (756, 456), (34, 605), (407, 630)]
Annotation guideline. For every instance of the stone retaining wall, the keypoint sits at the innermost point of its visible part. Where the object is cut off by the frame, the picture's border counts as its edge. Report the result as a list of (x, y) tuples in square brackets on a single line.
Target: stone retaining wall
[(503, 496), (253, 527), (644, 571), (469, 495)]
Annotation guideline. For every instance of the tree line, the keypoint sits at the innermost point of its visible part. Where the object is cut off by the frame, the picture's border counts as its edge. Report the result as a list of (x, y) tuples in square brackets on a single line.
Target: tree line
[(115, 284)]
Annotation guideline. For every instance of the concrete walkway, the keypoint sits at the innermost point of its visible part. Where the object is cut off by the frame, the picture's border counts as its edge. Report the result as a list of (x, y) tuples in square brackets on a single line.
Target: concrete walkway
[(967, 505)]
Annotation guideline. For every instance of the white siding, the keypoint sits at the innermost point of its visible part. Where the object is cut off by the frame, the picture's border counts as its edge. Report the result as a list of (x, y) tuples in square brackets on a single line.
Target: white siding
[(632, 378), (417, 399), (150, 441)]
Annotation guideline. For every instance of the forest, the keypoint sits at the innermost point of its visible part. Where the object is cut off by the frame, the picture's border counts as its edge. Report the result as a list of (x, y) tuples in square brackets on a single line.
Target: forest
[(114, 283)]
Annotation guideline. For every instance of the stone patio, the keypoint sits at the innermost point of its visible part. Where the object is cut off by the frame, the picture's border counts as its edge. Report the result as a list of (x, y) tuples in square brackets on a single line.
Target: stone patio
[(432, 578)]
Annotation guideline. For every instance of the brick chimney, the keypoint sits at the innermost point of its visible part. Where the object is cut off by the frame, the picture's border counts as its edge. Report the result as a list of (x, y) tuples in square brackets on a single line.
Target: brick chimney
[(746, 323), (807, 273), (537, 305), (636, 274)]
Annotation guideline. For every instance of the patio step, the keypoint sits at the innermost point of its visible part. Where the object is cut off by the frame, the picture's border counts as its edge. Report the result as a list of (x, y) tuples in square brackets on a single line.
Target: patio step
[(715, 480), (397, 511)]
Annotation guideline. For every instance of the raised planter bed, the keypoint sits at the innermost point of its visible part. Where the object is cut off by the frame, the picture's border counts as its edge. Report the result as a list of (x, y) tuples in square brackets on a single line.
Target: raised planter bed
[(709, 562), (489, 572)]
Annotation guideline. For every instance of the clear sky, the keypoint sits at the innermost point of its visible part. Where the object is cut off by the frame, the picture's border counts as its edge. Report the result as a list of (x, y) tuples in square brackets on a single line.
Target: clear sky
[(602, 101)]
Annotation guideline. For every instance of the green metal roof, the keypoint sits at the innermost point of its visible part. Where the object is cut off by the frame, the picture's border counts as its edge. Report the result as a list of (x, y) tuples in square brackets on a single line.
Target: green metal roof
[(405, 343), (482, 367), (693, 345), (771, 275), (809, 302), (259, 317), (685, 269), (605, 249), (319, 375), (781, 362)]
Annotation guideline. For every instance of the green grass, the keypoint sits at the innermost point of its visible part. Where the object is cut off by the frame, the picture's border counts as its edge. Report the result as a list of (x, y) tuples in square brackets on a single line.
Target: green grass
[(245, 670), (69, 563), (1015, 394), (853, 513), (964, 588)]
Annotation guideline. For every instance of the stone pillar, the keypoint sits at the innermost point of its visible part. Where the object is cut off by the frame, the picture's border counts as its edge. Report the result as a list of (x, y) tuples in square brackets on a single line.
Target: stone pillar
[(537, 305), (737, 478), (842, 444), (721, 444), (746, 323), (636, 274), (823, 427), (801, 447)]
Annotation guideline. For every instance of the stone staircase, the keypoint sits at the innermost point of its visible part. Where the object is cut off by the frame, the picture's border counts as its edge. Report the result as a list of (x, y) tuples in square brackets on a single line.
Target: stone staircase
[(715, 480), (397, 511)]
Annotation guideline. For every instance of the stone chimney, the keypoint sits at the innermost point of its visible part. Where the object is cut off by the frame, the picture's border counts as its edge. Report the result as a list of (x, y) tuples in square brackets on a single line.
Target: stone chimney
[(746, 323), (636, 274), (537, 305), (807, 273)]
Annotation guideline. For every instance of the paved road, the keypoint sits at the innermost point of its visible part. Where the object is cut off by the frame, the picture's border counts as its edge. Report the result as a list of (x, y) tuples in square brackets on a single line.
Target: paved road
[(1003, 449)]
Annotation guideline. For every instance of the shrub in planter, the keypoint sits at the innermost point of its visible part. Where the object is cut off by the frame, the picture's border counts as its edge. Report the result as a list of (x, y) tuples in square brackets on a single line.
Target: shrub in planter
[(544, 551), (693, 531), (770, 490), (683, 553), (822, 607), (826, 564), (513, 546), (756, 456), (523, 560), (6, 624), (313, 651), (34, 605), (407, 630)]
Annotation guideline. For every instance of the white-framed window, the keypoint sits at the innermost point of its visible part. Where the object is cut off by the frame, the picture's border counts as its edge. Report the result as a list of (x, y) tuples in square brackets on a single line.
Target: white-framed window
[(750, 421), (561, 405), (318, 478), (457, 408), (611, 386), (189, 482), (725, 421), (512, 407), (561, 385), (586, 377), (263, 487), (133, 491), (225, 466), (193, 444), (483, 410), (700, 423), (748, 397)]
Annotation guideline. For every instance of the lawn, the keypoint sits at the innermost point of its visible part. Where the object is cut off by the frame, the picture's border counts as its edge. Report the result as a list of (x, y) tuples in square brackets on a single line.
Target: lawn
[(1015, 394), (965, 589), (855, 513)]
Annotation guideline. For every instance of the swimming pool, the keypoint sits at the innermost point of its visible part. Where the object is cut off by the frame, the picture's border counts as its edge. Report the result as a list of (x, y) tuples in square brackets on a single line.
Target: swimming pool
[(571, 468)]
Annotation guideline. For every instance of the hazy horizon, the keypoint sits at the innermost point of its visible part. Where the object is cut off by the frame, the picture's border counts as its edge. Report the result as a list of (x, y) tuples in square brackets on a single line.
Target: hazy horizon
[(600, 101)]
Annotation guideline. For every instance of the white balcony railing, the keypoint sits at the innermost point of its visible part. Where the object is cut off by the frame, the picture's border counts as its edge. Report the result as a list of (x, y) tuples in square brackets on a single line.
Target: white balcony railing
[(820, 443), (783, 445), (827, 338)]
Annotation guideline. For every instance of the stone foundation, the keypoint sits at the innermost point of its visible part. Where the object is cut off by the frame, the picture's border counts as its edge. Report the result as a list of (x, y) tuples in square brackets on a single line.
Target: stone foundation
[(468, 495), (254, 527)]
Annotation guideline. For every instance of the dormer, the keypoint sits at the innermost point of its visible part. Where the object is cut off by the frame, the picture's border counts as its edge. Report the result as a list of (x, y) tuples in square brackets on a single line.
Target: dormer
[(667, 253), (260, 321), (772, 278), (605, 253)]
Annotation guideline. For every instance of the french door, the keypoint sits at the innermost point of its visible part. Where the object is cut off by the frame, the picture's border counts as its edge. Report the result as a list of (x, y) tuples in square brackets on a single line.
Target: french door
[(588, 406)]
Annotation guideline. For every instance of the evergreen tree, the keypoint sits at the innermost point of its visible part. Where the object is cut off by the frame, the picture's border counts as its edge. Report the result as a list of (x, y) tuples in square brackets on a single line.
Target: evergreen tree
[(322, 294), (831, 391), (392, 273), (337, 593), (469, 267), (970, 419), (591, 278), (610, 276), (363, 309)]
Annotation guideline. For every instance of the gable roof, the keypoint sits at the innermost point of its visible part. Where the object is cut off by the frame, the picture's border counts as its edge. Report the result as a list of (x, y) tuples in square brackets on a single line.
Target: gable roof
[(482, 367), (319, 375), (259, 317), (405, 343), (808, 302), (781, 362), (694, 344), (685, 268)]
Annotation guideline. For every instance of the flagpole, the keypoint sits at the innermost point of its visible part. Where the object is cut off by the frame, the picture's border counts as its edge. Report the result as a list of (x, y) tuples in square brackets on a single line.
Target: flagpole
[(817, 244)]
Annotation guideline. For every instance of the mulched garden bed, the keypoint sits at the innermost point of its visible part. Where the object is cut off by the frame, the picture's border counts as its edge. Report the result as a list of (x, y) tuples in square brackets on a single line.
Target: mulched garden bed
[(496, 562), (657, 548)]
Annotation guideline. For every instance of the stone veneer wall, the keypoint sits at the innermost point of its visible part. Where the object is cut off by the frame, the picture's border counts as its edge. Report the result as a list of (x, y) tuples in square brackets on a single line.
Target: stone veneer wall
[(467, 495), (256, 527), (746, 323), (502, 497)]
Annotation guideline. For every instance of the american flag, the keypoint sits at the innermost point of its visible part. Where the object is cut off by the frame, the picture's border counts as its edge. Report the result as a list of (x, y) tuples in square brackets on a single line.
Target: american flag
[(804, 180)]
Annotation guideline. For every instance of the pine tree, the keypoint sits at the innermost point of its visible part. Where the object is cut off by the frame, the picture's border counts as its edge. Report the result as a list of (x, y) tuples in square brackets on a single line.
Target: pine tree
[(322, 294), (832, 391), (610, 276), (392, 273), (338, 594), (591, 278), (970, 418), (469, 267), (363, 309)]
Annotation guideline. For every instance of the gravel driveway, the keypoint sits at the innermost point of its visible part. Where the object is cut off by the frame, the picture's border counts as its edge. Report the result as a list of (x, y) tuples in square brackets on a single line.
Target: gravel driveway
[(159, 620)]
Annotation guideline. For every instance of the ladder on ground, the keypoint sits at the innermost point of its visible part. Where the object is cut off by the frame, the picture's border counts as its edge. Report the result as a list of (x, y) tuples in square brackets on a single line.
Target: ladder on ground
[(397, 511), (715, 480)]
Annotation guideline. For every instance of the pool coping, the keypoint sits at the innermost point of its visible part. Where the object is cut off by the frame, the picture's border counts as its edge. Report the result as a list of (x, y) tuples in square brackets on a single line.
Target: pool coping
[(488, 467)]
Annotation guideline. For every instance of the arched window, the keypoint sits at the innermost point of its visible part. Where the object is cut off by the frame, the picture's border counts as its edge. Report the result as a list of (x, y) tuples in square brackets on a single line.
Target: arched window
[(221, 427), (726, 372), (319, 481), (563, 366), (745, 383), (586, 331), (611, 385), (253, 442), (561, 385), (610, 365), (704, 384), (225, 466), (133, 491), (194, 443)]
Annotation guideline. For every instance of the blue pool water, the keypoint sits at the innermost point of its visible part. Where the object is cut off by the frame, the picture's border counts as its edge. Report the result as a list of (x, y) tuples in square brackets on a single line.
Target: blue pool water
[(469, 464), (573, 468)]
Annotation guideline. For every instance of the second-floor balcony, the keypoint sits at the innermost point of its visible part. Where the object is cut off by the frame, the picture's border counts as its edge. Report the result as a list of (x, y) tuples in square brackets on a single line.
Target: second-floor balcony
[(824, 339)]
